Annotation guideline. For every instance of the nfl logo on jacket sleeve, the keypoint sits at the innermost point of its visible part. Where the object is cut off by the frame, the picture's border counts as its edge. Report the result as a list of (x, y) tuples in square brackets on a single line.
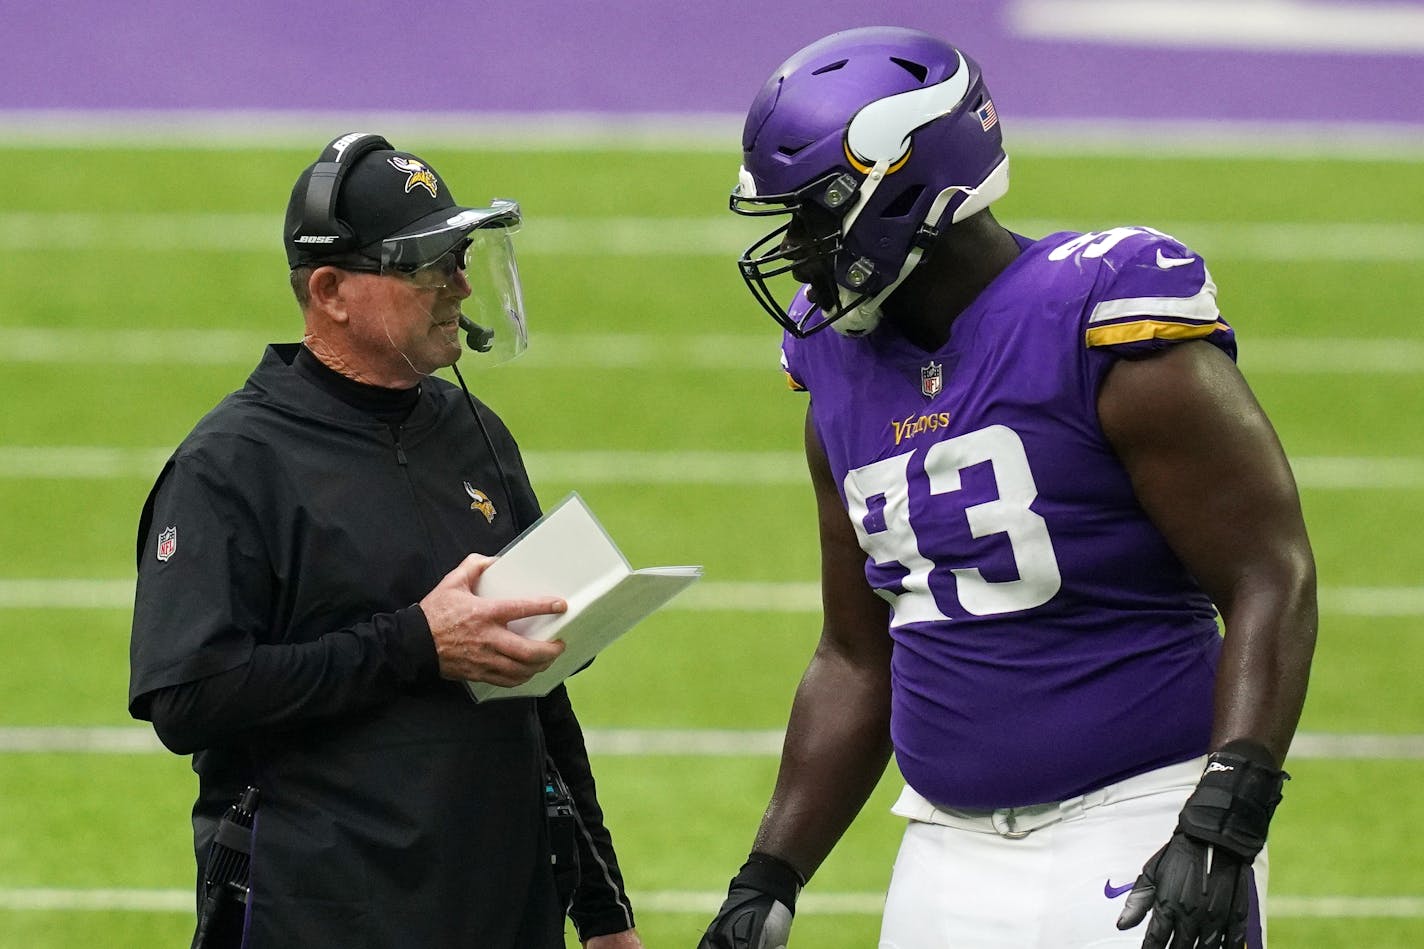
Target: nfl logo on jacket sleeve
[(167, 542)]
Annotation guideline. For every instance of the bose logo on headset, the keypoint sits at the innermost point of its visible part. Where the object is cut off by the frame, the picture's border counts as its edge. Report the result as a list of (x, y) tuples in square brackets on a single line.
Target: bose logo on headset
[(316, 239), (341, 143)]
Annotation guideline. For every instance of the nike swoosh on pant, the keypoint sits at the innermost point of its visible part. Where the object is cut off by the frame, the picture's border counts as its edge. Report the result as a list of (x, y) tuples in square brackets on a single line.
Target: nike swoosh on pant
[(1113, 892)]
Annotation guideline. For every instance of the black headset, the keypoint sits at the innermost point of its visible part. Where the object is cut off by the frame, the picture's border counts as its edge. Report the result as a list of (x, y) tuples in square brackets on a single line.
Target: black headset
[(319, 223)]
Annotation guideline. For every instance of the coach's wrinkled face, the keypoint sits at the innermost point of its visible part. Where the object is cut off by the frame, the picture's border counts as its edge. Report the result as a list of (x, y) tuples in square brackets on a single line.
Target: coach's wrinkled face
[(403, 329)]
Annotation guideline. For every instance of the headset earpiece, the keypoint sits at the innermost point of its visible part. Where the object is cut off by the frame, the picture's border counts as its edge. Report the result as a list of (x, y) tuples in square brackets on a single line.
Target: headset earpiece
[(320, 225)]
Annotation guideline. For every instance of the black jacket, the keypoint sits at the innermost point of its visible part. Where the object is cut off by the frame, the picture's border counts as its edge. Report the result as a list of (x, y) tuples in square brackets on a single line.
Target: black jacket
[(275, 636)]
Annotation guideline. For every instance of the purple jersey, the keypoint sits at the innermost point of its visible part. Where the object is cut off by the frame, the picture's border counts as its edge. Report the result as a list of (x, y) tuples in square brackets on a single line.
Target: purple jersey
[(1047, 640)]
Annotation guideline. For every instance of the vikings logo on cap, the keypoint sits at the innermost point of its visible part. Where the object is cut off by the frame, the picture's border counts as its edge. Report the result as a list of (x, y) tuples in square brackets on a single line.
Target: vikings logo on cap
[(418, 174), (479, 501)]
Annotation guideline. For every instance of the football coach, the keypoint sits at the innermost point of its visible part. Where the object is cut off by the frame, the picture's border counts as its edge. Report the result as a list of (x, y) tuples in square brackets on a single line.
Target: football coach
[(305, 614)]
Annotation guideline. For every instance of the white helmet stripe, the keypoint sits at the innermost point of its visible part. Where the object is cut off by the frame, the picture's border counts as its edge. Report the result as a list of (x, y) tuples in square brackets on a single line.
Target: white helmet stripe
[(746, 185), (880, 132)]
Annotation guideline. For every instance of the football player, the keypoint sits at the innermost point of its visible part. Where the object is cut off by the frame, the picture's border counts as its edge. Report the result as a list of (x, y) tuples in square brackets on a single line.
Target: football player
[(1041, 480)]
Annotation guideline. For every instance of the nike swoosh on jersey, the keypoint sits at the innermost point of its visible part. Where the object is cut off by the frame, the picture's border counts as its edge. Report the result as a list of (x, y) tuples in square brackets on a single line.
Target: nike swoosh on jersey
[(1113, 892), (1167, 263)]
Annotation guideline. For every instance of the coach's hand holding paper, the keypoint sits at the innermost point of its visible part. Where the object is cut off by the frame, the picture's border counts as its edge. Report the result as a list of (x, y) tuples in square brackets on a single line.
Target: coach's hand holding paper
[(568, 554), (472, 639)]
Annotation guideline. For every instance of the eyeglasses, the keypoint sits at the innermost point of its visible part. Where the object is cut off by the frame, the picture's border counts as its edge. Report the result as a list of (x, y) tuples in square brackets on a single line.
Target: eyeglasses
[(436, 275)]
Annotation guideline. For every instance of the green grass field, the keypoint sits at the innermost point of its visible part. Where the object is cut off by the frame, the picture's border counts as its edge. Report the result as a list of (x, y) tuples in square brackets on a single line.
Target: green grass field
[(138, 287)]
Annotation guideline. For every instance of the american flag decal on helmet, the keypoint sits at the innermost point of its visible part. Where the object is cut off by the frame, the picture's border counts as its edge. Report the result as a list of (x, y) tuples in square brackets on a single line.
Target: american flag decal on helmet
[(987, 116)]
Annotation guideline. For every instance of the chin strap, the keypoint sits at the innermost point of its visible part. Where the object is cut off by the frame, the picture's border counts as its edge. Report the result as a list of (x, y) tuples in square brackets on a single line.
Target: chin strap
[(862, 317)]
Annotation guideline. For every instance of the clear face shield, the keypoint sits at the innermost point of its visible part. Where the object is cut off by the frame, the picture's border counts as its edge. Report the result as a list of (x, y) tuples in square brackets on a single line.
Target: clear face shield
[(468, 267)]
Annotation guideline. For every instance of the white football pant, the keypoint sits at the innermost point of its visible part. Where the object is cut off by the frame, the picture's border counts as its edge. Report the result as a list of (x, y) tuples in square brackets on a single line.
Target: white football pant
[(1045, 877)]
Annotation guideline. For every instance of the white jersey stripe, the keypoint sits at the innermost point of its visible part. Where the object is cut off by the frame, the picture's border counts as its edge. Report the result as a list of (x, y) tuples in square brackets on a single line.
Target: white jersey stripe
[(1200, 308)]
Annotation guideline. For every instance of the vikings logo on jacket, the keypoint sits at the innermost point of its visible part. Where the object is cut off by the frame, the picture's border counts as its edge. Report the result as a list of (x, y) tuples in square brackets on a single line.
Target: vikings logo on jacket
[(479, 501)]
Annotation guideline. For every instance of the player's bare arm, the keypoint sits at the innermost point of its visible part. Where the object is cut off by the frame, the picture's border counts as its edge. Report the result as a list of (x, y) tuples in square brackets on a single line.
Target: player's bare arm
[(837, 741), (1210, 472), (838, 737), (1208, 469)]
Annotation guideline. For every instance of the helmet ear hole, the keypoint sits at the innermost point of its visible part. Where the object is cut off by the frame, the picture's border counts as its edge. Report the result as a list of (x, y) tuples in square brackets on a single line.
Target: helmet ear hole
[(904, 202)]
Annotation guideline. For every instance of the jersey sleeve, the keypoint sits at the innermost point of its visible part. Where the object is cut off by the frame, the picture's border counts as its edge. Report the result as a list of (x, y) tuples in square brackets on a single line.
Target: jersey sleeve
[(1151, 292), (196, 545), (202, 668)]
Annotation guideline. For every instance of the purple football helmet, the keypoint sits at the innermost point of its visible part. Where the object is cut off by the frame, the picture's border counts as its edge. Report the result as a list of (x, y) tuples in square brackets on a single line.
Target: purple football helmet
[(872, 139)]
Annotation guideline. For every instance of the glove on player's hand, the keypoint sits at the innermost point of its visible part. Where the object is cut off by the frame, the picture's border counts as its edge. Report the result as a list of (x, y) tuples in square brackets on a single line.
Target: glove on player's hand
[(1198, 894), (1198, 886), (760, 903)]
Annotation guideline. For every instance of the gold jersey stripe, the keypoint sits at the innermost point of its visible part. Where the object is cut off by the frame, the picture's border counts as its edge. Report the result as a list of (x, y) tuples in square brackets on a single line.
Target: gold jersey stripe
[(1140, 330), (792, 384)]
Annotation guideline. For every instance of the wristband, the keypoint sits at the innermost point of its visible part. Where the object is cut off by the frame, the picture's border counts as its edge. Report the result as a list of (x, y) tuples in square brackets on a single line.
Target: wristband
[(771, 875), (1233, 804)]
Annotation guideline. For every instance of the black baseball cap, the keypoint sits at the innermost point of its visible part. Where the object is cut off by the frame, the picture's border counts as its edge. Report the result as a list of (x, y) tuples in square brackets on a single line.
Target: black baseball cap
[(368, 206)]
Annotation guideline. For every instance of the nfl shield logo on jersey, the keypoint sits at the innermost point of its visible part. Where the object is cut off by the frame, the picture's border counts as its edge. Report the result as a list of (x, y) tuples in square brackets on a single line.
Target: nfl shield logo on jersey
[(931, 379), (167, 542)]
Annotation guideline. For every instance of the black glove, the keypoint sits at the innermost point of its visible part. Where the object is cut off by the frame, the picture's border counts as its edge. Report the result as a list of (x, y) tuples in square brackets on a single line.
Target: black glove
[(1198, 885), (760, 903)]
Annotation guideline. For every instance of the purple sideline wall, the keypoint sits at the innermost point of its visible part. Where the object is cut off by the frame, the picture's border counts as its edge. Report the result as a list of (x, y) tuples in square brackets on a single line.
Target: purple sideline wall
[(646, 56)]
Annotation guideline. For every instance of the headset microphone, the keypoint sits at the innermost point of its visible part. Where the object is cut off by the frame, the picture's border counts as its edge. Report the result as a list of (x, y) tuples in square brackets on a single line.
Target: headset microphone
[(478, 338)]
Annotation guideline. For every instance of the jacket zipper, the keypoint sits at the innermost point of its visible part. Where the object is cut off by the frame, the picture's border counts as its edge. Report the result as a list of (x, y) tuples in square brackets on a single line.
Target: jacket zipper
[(400, 450), (420, 515)]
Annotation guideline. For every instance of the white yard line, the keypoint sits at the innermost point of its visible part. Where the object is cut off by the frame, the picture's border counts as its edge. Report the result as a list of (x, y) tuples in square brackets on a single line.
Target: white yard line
[(723, 236), (692, 902), (575, 132), (1301, 26), (647, 742), (51, 593), (740, 468), (752, 352)]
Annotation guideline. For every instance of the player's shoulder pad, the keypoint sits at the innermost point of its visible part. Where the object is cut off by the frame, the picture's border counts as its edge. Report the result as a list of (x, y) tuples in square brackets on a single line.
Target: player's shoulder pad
[(1148, 288)]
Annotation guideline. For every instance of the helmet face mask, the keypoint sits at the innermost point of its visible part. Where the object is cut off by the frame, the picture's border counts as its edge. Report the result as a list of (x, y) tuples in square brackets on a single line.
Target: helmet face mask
[(803, 250), (890, 132)]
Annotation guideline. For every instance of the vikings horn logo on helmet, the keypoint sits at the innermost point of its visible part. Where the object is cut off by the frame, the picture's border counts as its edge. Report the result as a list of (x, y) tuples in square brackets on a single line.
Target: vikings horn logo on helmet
[(881, 131), (418, 174), (479, 501)]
